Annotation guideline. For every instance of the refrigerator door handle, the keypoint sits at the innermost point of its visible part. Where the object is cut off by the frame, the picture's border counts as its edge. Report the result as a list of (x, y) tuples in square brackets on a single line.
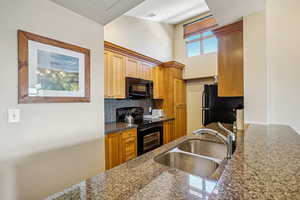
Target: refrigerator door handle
[(203, 118), (203, 99)]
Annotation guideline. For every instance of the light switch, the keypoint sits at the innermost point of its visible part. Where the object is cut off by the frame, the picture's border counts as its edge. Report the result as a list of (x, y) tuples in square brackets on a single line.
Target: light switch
[(13, 115)]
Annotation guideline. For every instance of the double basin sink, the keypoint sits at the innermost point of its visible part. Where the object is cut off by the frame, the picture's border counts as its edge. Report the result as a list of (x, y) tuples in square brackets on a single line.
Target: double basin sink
[(195, 156)]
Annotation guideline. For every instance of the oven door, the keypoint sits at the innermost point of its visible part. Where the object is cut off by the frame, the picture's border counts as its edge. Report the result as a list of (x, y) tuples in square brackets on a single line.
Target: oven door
[(149, 138)]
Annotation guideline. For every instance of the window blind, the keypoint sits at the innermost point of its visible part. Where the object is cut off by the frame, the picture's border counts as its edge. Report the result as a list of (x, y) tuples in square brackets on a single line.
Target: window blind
[(199, 26)]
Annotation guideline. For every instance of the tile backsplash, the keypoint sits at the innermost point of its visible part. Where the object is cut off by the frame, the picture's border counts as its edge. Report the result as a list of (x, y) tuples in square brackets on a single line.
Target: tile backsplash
[(111, 106)]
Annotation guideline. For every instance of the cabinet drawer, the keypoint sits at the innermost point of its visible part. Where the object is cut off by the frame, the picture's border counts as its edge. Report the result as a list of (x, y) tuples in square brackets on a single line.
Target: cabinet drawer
[(130, 156), (129, 147), (129, 134)]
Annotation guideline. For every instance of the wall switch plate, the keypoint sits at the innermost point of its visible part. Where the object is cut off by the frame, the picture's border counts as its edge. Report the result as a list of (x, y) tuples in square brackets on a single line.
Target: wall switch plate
[(13, 115)]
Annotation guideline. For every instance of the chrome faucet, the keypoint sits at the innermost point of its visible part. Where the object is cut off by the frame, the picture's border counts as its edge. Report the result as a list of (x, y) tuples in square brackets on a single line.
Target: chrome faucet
[(229, 141)]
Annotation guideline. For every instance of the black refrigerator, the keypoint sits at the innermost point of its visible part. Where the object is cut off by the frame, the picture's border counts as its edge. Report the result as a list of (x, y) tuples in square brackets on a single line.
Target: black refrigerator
[(219, 109)]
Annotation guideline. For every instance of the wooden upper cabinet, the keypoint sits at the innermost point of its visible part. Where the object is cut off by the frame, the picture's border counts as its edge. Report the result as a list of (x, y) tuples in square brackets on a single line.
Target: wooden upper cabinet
[(107, 76), (145, 71), (114, 71), (132, 67), (230, 60), (179, 92), (118, 74), (158, 82), (138, 69)]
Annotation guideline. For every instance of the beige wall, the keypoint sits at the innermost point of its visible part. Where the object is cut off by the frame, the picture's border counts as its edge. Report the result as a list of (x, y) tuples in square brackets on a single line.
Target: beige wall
[(283, 53), (146, 37), (255, 70), (196, 66), (47, 127), (194, 90)]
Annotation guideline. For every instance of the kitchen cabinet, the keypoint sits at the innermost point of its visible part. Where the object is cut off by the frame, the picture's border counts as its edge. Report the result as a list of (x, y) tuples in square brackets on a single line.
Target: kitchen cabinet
[(120, 147), (129, 145), (158, 82), (118, 71), (174, 104), (132, 67), (114, 69), (169, 131), (108, 77), (138, 69), (230, 60), (112, 150), (180, 108), (145, 71)]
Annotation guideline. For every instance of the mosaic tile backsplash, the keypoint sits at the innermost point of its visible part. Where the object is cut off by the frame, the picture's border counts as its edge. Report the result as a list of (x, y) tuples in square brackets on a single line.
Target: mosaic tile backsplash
[(111, 106)]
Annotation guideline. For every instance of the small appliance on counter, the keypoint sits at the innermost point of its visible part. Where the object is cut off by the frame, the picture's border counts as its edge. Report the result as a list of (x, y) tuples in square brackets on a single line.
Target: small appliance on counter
[(158, 113), (150, 131)]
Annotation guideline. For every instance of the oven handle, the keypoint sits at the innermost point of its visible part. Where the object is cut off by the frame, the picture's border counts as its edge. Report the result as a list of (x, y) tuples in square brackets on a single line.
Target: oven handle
[(145, 129)]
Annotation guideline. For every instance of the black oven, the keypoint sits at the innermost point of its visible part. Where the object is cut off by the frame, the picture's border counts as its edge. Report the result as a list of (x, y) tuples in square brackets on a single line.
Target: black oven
[(150, 137), (138, 88), (150, 134)]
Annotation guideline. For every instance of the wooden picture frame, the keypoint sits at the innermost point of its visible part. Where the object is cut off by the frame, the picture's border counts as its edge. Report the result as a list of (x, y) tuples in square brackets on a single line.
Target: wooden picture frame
[(34, 89)]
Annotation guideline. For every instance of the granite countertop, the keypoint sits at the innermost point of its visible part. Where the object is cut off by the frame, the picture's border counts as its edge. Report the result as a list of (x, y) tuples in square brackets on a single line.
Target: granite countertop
[(118, 126), (121, 126), (265, 165)]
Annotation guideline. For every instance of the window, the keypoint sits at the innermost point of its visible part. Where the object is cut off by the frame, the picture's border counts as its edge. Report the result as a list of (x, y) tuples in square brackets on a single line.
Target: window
[(201, 43)]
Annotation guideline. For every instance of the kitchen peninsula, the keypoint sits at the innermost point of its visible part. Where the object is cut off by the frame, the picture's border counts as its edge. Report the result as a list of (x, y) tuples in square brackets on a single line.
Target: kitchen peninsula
[(265, 165)]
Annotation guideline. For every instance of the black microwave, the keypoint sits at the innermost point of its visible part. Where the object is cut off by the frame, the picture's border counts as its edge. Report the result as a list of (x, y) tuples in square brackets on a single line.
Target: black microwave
[(138, 88)]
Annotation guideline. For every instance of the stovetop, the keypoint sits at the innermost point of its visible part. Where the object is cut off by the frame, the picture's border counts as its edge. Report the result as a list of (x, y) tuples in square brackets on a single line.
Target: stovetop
[(137, 113)]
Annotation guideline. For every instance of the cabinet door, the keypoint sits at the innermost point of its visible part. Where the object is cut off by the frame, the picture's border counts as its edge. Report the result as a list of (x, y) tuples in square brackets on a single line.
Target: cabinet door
[(158, 82), (169, 134), (230, 61), (180, 121), (179, 92), (145, 71), (118, 71), (129, 145), (180, 107), (132, 68), (113, 156), (107, 75)]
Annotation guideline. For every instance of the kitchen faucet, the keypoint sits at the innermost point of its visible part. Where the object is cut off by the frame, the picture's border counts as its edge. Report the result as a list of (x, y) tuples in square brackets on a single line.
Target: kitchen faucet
[(229, 141)]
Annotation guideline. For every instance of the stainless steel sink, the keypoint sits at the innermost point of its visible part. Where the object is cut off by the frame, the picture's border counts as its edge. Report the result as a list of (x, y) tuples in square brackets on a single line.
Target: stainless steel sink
[(188, 163), (204, 148), (194, 156)]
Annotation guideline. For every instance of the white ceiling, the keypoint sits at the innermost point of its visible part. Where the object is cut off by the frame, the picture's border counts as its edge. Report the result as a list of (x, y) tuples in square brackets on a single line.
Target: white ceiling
[(229, 11), (168, 11), (101, 11)]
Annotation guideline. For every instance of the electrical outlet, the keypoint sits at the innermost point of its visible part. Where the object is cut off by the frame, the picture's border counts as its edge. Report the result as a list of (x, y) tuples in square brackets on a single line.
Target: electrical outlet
[(13, 115)]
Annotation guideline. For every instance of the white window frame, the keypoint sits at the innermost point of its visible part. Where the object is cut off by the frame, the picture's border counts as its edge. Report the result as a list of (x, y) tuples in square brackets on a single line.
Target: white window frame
[(200, 39)]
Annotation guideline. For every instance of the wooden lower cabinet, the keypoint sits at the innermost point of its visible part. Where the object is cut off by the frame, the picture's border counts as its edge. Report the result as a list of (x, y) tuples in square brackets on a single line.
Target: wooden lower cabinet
[(180, 121), (180, 108), (169, 132), (120, 147)]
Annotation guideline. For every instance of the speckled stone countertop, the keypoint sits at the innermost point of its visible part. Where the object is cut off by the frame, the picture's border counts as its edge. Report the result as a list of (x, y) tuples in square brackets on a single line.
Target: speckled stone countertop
[(121, 126), (265, 165), (118, 126)]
